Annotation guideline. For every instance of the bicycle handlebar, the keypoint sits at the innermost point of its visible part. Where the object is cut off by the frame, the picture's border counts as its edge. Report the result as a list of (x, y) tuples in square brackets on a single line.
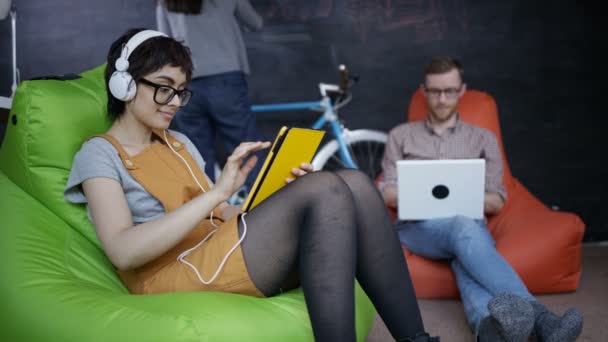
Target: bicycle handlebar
[(339, 96), (344, 84), (346, 80)]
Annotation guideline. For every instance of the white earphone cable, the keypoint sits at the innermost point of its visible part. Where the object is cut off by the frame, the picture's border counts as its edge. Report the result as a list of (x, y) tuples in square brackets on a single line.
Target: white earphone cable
[(187, 252), (189, 170), (219, 268)]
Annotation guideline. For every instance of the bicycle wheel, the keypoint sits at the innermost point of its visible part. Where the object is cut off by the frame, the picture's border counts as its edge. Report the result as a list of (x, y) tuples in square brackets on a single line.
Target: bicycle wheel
[(365, 146)]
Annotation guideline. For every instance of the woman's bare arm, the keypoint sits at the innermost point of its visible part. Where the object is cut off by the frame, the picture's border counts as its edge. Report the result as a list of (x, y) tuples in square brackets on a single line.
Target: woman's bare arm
[(128, 245)]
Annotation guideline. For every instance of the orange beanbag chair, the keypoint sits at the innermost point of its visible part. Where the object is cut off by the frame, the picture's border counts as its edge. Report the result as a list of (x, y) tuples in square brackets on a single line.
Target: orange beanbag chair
[(543, 245)]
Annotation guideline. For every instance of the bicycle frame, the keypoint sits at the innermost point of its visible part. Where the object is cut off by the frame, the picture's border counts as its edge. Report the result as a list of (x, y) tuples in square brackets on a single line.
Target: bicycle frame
[(329, 117), (6, 102)]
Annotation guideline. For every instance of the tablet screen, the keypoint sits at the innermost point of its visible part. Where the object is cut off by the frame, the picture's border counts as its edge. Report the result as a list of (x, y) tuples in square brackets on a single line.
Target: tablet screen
[(291, 147)]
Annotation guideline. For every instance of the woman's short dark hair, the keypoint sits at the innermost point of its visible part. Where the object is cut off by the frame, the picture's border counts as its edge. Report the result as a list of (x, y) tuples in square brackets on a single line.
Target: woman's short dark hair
[(150, 56), (184, 6)]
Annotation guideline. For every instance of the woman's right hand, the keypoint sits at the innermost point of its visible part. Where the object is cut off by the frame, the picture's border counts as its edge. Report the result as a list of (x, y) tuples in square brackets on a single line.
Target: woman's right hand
[(235, 172)]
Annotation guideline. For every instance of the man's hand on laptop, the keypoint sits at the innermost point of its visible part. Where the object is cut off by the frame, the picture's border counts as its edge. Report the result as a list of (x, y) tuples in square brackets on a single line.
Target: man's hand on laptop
[(304, 169), (492, 203)]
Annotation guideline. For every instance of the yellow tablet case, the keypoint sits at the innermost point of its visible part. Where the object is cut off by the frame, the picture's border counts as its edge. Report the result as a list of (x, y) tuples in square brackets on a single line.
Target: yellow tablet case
[(291, 147)]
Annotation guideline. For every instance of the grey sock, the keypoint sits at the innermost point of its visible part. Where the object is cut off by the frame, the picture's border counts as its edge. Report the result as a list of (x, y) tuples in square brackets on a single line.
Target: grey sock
[(548, 327), (513, 315)]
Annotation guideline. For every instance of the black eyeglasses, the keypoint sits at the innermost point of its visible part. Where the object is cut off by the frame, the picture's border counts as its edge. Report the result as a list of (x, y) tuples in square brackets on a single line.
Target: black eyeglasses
[(163, 94), (449, 92)]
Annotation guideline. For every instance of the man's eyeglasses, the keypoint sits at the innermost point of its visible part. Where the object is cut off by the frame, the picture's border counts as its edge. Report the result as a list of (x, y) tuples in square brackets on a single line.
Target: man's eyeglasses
[(163, 94), (449, 92)]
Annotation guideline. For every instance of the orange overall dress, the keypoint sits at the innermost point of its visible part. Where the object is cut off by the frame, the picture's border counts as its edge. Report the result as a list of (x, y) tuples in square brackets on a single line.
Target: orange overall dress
[(167, 178)]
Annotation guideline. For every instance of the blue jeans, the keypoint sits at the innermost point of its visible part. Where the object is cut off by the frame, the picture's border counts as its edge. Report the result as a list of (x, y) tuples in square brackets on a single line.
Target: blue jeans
[(219, 107), (481, 273)]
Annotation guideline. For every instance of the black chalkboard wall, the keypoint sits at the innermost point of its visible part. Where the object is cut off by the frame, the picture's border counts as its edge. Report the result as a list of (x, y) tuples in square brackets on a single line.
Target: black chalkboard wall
[(534, 57)]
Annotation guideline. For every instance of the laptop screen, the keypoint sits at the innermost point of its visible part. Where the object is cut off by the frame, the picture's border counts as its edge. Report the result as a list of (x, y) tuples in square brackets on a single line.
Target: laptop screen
[(429, 189)]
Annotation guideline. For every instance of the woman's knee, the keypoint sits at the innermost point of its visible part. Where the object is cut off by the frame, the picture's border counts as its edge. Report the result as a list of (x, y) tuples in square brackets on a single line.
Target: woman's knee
[(355, 179), (323, 185)]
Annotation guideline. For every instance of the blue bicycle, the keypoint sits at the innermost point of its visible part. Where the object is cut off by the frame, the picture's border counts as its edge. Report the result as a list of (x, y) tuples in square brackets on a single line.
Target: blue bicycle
[(361, 148)]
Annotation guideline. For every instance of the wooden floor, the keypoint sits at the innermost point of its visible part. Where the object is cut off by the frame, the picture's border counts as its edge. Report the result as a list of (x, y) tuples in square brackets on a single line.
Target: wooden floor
[(446, 319)]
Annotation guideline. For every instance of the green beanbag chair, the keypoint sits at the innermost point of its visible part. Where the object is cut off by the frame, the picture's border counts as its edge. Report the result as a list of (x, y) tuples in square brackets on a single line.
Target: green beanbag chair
[(56, 283)]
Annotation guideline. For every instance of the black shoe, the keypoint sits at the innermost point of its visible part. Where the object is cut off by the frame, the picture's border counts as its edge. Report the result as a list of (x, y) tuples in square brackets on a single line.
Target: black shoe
[(488, 332), (422, 337)]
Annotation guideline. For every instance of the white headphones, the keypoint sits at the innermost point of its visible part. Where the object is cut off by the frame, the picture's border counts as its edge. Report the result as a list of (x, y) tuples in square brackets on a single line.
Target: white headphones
[(122, 86)]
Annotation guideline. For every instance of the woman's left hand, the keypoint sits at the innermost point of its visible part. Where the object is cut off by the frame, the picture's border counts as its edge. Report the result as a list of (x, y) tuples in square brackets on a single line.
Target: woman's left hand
[(304, 169)]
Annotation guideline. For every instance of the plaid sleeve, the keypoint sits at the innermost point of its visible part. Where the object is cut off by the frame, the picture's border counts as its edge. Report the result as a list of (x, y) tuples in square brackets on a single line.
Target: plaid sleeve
[(392, 153), (494, 165)]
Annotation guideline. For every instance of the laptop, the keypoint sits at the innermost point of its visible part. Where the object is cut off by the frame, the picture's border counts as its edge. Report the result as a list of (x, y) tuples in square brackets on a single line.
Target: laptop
[(429, 189), (291, 147)]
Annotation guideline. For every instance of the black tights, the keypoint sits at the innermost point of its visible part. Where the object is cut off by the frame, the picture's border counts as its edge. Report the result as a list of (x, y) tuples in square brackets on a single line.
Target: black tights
[(329, 228)]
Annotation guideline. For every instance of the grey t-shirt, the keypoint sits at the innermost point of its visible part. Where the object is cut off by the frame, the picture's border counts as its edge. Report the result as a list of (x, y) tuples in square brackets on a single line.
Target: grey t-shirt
[(98, 158), (214, 36)]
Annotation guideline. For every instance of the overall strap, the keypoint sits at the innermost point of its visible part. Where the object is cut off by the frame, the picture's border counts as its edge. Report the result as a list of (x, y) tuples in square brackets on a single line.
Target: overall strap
[(175, 144), (124, 156), (180, 148)]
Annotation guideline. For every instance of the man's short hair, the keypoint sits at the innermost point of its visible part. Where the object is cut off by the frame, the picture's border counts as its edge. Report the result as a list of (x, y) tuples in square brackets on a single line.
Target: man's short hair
[(443, 64)]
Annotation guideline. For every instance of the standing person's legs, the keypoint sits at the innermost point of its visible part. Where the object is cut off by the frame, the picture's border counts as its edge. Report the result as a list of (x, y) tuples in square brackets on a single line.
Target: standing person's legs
[(231, 111), (195, 121), (311, 226)]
